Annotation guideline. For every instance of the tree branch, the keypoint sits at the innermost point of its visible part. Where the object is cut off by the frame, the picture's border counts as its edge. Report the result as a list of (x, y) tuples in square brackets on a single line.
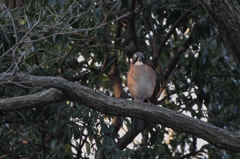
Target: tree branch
[(170, 32), (172, 64), (132, 30), (40, 99), (174, 61), (98, 101)]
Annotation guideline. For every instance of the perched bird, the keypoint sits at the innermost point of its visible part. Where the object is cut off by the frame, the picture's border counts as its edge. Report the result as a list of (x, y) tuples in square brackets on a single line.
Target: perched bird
[(141, 82)]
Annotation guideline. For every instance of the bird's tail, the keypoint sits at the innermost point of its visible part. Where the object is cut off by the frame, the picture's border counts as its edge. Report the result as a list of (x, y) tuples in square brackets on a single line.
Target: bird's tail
[(137, 125)]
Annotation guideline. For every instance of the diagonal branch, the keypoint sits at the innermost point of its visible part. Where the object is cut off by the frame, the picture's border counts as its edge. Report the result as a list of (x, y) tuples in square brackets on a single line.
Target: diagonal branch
[(172, 64), (174, 61), (170, 32), (122, 107)]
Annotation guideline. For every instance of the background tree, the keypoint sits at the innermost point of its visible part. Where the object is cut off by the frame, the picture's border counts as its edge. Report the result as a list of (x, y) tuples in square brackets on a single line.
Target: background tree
[(51, 49)]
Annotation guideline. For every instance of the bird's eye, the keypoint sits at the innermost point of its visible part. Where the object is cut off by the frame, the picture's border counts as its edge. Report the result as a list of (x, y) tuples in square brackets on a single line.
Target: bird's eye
[(138, 55)]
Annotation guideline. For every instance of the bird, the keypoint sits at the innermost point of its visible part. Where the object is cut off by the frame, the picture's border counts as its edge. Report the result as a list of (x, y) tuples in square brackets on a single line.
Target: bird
[(141, 81)]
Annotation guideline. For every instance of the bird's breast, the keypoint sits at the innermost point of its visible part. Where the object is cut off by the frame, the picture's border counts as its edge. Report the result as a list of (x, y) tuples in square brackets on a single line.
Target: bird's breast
[(141, 81)]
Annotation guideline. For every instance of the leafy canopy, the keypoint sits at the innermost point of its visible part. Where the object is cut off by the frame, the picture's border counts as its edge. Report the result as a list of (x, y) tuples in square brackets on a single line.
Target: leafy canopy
[(85, 41)]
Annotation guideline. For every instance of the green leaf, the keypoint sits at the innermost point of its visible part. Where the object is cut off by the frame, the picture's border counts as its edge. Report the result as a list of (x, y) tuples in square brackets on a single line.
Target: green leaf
[(51, 3), (61, 3), (57, 127), (88, 147)]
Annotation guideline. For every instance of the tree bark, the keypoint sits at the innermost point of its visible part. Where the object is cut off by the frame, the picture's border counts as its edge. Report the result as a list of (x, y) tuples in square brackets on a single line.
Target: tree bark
[(98, 101), (226, 15), (40, 99)]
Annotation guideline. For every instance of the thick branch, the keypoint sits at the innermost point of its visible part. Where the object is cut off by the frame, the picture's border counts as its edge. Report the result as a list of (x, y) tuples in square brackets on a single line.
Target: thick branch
[(126, 139), (40, 99), (149, 112)]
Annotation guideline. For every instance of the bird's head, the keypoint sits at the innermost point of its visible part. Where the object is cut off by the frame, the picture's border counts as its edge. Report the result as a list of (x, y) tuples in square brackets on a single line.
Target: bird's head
[(138, 57)]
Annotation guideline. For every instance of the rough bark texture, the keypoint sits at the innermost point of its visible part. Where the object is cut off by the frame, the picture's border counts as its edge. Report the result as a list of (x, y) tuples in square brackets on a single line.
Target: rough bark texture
[(226, 15), (40, 99), (109, 105)]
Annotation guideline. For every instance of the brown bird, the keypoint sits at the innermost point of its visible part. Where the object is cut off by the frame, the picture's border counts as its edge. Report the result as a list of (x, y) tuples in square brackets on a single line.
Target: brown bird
[(141, 82)]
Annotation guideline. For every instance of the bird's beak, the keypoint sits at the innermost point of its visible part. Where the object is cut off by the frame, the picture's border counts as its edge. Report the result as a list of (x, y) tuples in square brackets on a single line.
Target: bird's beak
[(134, 59)]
